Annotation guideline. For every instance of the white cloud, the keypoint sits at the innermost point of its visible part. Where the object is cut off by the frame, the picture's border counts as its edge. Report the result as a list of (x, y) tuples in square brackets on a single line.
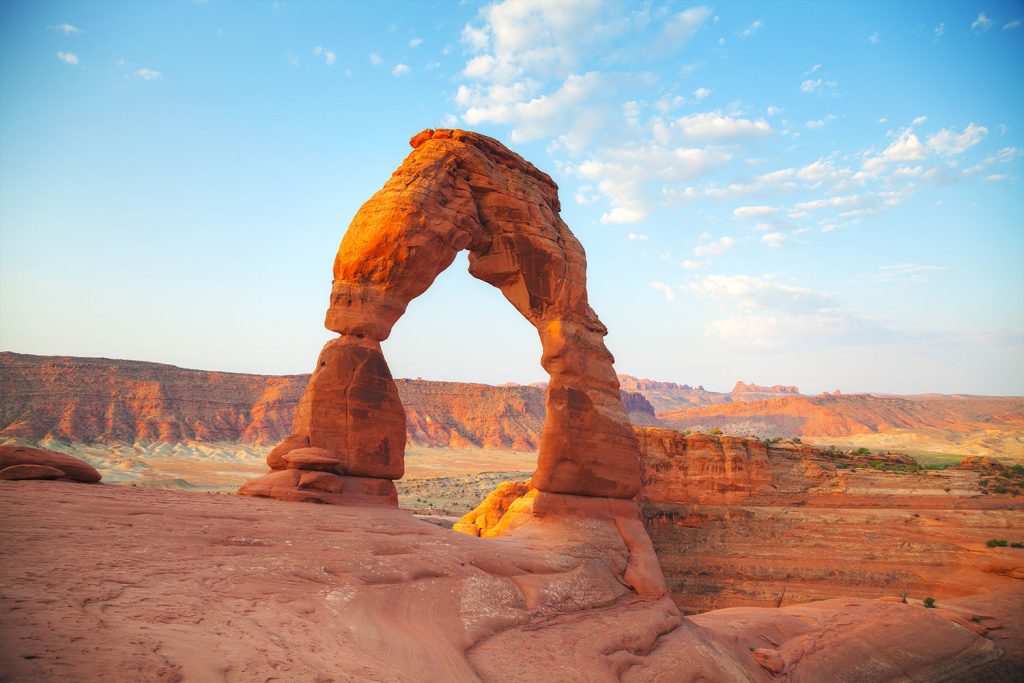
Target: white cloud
[(901, 273), (694, 265), (715, 247), (715, 126), (907, 147), (950, 142), (750, 30), (773, 110), (670, 294), (148, 74), (329, 56), (622, 175), (701, 93), (375, 59), (919, 120), (820, 123), (400, 69), (67, 29), (681, 28), (817, 86), (760, 293), (774, 240), (981, 24), (1010, 25), (68, 57), (745, 212), (874, 38), (415, 42), (996, 177), (637, 237), (939, 30), (450, 120)]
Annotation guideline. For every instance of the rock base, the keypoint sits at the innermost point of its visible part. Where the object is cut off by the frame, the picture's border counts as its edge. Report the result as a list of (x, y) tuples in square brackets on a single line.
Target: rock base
[(323, 487)]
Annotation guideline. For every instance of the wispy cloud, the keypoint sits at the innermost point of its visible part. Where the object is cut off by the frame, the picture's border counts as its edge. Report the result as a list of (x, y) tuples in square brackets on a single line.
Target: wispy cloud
[(148, 74), (400, 69), (901, 273), (68, 57), (820, 123), (375, 59), (938, 31), (66, 28), (701, 93), (950, 142), (714, 247), (981, 24), (745, 212), (415, 42), (874, 38), (637, 237), (716, 126), (329, 56), (750, 30), (1010, 25), (670, 294)]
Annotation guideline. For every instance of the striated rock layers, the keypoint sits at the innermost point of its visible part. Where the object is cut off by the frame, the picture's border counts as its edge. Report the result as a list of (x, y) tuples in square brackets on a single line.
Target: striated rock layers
[(736, 522), (457, 190)]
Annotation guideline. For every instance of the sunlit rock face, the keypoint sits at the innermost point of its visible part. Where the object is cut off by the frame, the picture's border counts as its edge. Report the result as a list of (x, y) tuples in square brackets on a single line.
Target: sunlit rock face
[(458, 191)]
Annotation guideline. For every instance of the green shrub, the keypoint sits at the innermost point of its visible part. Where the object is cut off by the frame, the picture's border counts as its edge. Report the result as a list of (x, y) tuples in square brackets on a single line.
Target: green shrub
[(996, 543), (716, 431), (862, 451), (929, 603), (1017, 545)]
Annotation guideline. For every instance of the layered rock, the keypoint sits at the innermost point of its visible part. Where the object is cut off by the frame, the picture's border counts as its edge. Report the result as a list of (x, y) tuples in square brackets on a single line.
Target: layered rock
[(459, 190), (736, 522), (22, 462)]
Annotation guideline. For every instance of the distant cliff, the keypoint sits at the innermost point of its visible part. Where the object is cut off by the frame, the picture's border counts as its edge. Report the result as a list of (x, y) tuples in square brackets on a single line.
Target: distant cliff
[(97, 400)]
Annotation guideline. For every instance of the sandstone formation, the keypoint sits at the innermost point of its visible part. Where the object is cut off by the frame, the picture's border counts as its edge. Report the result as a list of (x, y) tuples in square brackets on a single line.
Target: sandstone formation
[(738, 522), (210, 588), (744, 388), (462, 191), (22, 462)]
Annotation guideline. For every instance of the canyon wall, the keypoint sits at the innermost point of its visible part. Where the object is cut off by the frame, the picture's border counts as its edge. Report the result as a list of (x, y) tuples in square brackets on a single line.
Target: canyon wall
[(738, 522)]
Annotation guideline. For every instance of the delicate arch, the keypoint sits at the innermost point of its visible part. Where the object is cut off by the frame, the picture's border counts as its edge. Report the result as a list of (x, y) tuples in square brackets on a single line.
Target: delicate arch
[(457, 190)]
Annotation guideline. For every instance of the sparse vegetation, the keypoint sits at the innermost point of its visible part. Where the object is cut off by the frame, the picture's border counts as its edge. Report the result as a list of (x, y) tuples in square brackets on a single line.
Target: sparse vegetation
[(996, 543), (929, 603), (716, 431), (862, 451)]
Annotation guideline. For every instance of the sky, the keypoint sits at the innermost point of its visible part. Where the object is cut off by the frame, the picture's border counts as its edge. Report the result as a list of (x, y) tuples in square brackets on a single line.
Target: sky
[(820, 194)]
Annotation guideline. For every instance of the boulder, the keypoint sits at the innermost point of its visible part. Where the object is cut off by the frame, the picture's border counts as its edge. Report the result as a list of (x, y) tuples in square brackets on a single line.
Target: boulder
[(72, 467)]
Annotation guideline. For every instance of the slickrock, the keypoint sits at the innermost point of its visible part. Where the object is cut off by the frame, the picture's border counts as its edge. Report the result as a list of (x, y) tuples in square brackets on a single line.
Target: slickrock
[(25, 461), (464, 191), (207, 587)]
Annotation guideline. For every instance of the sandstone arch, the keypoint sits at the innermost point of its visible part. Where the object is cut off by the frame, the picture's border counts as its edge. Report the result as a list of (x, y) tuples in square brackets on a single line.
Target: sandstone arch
[(456, 191)]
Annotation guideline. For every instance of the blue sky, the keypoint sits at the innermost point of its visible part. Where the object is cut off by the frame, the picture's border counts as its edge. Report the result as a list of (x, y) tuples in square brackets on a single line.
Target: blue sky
[(820, 194)]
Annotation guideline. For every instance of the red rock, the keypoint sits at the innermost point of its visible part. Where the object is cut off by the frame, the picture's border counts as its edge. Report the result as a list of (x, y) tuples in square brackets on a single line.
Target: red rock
[(73, 468), (16, 472), (312, 459), (489, 512), (323, 487), (463, 191)]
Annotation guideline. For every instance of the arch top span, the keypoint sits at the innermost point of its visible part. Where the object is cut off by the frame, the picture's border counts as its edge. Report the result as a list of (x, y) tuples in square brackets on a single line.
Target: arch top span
[(458, 191)]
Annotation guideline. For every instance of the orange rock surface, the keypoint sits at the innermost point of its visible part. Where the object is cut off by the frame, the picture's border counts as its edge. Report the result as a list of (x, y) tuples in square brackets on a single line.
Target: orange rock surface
[(735, 522), (24, 462), (463, 191), (104, 583), (848, 415)]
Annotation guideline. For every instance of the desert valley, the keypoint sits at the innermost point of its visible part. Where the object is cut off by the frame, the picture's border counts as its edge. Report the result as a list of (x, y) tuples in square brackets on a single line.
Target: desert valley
[(684, 342), (672, 533)]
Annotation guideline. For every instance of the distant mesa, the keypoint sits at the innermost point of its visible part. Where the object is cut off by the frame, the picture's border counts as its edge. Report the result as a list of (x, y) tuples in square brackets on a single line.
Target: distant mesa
[(744, 388), (23, 462)]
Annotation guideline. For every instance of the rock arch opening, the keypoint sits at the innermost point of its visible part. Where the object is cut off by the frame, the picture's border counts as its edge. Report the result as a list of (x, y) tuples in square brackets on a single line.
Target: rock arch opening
[(457, 191)]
